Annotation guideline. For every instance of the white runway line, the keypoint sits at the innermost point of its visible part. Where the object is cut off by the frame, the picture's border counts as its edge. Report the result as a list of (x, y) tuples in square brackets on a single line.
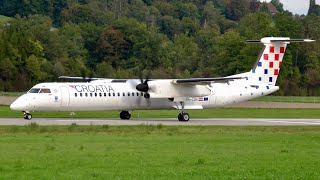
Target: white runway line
[(292, 122), (88, 120), (284, 121), (166, 121)]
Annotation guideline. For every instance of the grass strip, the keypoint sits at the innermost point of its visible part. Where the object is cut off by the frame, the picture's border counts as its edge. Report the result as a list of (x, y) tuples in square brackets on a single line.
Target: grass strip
[(159, 152)]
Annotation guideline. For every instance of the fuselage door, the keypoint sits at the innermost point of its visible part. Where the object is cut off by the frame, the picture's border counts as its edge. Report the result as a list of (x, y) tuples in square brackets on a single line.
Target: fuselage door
[(65, 99)]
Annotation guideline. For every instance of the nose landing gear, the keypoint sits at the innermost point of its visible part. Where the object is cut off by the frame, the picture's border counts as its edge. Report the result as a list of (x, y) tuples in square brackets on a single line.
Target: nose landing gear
[(27, 116)]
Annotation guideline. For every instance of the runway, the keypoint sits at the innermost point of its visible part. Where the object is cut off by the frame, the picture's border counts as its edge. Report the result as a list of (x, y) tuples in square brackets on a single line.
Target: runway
[(164, 121)]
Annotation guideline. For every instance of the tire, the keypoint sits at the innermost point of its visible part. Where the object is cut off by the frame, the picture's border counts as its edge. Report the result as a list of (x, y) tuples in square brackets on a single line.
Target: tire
[(27, 116), (183, 117), (125, 115)]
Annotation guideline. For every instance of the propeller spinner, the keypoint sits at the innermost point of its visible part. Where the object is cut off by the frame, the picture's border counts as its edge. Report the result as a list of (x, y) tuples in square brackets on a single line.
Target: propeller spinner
[(143, 87)]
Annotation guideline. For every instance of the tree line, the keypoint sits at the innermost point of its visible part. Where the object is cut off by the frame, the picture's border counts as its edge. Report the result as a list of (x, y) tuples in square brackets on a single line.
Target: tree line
[(45, 39)]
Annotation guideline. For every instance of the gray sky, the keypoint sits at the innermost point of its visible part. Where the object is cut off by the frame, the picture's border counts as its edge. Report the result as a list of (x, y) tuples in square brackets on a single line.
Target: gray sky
[(297, 6)]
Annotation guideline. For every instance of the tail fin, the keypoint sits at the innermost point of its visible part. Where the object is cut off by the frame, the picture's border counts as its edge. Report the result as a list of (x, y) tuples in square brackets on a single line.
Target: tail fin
[(267, 67)]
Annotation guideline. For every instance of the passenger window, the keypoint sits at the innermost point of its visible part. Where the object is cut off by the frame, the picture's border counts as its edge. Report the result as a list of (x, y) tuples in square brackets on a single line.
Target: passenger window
[(137, 94), (80, 94), (114, 94), (75, 94), (128, 94), (105, 94), (142, 94), (100, 94), (109, 94), (45, 91), (118, 94), (133, 94), (95, 94), (86, 94), (123, 94), (91, 94), (34, 90)]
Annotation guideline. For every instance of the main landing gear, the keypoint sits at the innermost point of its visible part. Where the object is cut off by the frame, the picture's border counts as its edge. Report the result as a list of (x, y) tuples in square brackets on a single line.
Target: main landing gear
[(125, 115), (27, 116), (183, 116)]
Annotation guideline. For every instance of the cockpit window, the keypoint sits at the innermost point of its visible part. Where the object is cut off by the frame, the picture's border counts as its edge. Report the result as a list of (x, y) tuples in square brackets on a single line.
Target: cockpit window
[(45, 91), (34, 90)]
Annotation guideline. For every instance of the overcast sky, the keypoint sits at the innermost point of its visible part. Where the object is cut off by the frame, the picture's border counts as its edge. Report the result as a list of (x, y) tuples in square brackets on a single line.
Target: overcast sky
[(297, 6)]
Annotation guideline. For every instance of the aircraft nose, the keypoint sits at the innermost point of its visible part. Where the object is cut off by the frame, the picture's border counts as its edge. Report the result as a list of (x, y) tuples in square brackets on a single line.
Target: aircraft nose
[(15, 106), (18, 105)]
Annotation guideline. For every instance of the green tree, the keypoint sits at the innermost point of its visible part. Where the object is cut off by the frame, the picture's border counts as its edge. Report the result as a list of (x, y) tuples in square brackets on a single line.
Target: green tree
[(186, 10), (114, 47), (184, 54), (138, 10), (236, 9), (263, 26), (169, 26), (228, 59), (33, 67), (278, 5)]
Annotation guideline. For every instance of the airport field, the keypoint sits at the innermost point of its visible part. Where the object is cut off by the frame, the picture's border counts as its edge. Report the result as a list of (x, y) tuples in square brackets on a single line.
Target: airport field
[(159, 152), (208, 113), (295, 99)]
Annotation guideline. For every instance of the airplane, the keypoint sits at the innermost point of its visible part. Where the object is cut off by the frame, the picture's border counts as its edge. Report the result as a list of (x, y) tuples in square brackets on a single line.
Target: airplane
[(127, 95)]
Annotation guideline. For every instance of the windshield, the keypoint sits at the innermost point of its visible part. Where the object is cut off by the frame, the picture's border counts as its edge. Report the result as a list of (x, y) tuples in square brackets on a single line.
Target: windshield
[(45, 91), (34, 90)]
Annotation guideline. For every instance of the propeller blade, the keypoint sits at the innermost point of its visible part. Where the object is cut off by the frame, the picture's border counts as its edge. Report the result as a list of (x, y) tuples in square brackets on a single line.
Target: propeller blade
[(148, 102)]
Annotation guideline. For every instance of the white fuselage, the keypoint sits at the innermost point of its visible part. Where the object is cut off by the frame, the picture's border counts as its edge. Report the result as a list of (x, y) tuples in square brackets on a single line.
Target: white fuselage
[(106, 95)]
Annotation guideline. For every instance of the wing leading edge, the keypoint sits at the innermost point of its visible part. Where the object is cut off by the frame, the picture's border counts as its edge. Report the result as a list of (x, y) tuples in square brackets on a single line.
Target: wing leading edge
[(80, 78)]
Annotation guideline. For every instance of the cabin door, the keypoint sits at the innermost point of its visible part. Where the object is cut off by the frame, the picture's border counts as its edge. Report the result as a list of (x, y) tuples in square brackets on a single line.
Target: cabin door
[(65, 99)]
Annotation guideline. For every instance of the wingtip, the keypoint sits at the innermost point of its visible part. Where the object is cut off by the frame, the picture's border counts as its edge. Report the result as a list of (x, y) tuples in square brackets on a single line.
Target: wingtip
[(309, 40)]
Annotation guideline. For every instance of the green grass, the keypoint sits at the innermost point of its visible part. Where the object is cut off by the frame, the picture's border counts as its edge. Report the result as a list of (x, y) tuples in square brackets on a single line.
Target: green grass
[(15, 94), (299, 99), (209, 113), (159, 152)]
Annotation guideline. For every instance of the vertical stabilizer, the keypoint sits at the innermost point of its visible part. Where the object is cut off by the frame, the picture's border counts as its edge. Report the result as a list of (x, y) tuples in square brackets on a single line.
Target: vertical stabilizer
[(267, 67)]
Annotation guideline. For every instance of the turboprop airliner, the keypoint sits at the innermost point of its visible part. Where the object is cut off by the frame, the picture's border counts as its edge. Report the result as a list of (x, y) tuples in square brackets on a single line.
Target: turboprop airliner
[(126, 95)]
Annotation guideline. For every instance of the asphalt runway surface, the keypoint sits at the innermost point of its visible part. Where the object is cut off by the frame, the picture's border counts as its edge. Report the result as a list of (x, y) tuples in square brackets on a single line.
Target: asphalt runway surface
[(164, 121)]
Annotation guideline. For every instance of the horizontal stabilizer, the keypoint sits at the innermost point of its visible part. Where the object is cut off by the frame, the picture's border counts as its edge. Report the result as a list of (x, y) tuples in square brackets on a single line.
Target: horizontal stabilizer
[(269, 40)]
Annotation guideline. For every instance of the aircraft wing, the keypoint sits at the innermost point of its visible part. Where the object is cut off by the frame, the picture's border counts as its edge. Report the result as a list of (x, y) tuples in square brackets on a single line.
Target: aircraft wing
[(206, 80), (80, 78)]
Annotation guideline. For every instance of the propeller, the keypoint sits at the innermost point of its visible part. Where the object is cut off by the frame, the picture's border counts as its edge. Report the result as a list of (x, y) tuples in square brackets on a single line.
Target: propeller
[(144, 87), (85, 78)]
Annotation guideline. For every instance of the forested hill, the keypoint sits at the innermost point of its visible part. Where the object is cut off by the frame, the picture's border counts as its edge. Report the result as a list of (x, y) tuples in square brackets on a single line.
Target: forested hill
[(44, 39)]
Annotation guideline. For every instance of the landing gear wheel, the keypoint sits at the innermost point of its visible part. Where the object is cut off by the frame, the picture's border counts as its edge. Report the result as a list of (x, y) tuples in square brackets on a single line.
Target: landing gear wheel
[(146, 95), (27, 116), (125, 115), (183, 116)]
